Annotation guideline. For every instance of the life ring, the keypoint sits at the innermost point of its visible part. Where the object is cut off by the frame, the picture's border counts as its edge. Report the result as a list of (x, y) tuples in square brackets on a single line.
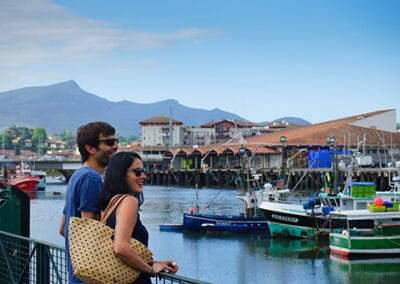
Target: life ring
[(345, 233)]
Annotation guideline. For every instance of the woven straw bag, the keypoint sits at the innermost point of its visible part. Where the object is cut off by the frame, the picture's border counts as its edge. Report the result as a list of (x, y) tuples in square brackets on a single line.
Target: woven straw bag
[(92, 254)]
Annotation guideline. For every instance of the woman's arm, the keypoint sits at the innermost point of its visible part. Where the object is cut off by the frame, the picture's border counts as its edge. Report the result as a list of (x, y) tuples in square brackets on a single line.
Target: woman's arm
[(125, 222)]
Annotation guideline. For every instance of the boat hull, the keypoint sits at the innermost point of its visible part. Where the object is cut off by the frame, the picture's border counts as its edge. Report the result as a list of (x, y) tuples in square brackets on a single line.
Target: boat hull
[(224, 223), (171, 227), (348, 246), (24, 183), (292, 221)]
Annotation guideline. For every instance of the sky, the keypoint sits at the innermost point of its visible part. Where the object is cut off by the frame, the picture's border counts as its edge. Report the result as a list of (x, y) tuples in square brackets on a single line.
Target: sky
[(260, 59)]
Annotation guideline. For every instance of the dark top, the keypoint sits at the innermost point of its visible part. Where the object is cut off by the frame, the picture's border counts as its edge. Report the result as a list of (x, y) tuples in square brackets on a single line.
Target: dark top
[(141, 234)]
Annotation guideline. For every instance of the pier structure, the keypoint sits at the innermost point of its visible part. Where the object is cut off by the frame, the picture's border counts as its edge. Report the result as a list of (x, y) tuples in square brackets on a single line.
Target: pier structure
[(301, 179), (219, 166)]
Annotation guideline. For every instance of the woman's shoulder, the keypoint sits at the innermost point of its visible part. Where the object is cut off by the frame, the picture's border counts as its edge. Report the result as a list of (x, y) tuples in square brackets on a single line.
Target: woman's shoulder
[(129, 200)]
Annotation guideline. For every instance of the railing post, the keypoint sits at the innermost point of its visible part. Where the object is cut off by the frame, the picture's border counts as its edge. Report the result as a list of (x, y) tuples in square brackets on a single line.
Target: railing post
[(42, 264)]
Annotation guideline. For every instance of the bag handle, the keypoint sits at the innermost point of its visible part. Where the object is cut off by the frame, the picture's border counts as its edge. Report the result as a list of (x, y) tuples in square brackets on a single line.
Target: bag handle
[(112, 206)]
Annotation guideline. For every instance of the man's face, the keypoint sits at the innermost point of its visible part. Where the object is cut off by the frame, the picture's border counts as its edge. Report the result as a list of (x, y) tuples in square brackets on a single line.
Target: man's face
[(108, 146)]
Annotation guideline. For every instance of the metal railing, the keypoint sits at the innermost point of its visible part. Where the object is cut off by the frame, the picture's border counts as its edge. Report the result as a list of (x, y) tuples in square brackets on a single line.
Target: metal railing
[(24, 260)]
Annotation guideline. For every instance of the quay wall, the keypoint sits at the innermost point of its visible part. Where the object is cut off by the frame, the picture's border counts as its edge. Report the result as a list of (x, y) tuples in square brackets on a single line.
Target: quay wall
[(300, 178)]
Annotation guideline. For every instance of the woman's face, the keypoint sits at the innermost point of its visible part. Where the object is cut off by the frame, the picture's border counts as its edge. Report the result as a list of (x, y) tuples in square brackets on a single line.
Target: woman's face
[(135, 176)]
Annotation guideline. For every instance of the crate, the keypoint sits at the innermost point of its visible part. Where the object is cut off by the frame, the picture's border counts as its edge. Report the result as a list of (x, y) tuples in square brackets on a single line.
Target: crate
[(394, 206), (374, 208)]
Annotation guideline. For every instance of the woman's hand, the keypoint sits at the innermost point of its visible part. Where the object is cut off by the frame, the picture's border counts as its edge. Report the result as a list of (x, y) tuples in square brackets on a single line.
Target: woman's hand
[(166, 265)]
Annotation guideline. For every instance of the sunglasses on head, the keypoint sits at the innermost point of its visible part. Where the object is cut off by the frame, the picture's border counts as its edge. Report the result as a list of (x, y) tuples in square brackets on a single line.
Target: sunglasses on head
[(138, 171), (109, 141)]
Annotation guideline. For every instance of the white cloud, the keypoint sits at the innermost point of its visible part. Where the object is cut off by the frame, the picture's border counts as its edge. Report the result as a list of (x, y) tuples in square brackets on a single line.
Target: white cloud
[(38, 32)]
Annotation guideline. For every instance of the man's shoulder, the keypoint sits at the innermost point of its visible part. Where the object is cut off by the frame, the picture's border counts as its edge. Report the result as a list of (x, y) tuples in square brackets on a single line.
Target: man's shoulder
[(85, 173), (85, 170)]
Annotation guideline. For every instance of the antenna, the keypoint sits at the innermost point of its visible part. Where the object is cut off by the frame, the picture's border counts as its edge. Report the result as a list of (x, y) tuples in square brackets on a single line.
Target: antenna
[(170, 127)]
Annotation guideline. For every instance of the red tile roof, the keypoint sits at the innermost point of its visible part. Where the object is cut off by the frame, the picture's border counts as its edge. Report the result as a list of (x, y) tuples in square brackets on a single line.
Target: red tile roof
[(160, 120), (342, 129)]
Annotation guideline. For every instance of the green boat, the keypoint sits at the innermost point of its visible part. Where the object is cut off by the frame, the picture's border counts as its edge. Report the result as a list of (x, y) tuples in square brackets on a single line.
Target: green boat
[(381, 239)]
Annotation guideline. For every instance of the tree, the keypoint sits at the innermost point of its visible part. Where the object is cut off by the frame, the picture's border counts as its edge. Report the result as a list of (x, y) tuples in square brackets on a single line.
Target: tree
[(67, 137), (39, 139)]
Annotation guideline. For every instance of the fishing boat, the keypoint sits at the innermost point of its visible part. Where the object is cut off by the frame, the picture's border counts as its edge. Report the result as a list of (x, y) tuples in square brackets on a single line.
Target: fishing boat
[(251, 221), (378, 237), (213, 223), (313, 219), (42, 179), (393, 194), (23, 179)]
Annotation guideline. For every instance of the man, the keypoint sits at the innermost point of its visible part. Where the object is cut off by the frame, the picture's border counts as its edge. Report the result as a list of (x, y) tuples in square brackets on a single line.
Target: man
[(97, 145)]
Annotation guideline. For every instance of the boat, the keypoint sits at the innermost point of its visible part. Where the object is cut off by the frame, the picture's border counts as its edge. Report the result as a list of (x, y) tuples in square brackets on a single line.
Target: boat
[(379, 237), (42, 179), (171, 227), (250, 221), (210, 223), (313, 218), (393, 194), (22, 179), (316, 217), (55, 180)]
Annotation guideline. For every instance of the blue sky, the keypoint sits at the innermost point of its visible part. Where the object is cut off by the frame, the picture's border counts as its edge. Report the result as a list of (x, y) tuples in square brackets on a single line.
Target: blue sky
[(260, 59)]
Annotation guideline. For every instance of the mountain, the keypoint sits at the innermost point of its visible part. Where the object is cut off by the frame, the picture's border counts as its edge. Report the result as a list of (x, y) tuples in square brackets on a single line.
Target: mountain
[(66, 106)]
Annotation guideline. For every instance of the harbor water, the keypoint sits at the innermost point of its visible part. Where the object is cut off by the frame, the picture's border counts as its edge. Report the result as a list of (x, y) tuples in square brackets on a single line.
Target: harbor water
[(222, 258)]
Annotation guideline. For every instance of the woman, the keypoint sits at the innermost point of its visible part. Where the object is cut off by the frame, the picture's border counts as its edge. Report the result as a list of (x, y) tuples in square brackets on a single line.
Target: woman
[(125, 175)]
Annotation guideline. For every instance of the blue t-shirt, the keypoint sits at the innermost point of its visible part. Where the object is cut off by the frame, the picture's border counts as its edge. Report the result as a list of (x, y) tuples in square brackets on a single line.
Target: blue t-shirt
[(83, 193), (139, 233)]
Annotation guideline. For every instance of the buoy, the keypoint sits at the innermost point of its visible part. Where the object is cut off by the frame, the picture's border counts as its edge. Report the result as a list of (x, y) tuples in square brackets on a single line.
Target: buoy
[(378, 201)]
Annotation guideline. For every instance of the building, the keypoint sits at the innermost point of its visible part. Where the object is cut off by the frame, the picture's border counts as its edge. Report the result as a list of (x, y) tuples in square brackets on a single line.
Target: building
[(164, 132), (225, 130), (371, 135), (161, 131)]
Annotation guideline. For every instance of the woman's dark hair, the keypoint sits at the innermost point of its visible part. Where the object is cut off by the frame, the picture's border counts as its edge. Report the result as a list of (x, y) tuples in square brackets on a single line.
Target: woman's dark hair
[(115, 178)]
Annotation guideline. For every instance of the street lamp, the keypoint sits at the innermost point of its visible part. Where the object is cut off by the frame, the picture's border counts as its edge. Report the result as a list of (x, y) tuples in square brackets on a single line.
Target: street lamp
[(331, 140), (283, 141), (242, 152)]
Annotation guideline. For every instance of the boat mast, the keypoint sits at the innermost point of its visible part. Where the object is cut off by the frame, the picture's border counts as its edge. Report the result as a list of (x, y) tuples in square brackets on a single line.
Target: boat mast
[(331, 140), (283, 141)]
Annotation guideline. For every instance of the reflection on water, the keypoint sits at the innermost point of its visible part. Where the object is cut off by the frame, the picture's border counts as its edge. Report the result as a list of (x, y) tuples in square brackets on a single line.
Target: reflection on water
[(301, 248), (219, 258), (45, 195), (384, 270)]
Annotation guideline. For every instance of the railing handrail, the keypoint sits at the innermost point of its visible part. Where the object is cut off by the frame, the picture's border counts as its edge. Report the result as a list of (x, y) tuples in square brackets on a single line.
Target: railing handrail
[(38, 262)]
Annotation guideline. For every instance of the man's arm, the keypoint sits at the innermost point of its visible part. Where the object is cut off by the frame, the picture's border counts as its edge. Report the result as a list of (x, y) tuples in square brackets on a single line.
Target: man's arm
[(84, 214), (62, 223)]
